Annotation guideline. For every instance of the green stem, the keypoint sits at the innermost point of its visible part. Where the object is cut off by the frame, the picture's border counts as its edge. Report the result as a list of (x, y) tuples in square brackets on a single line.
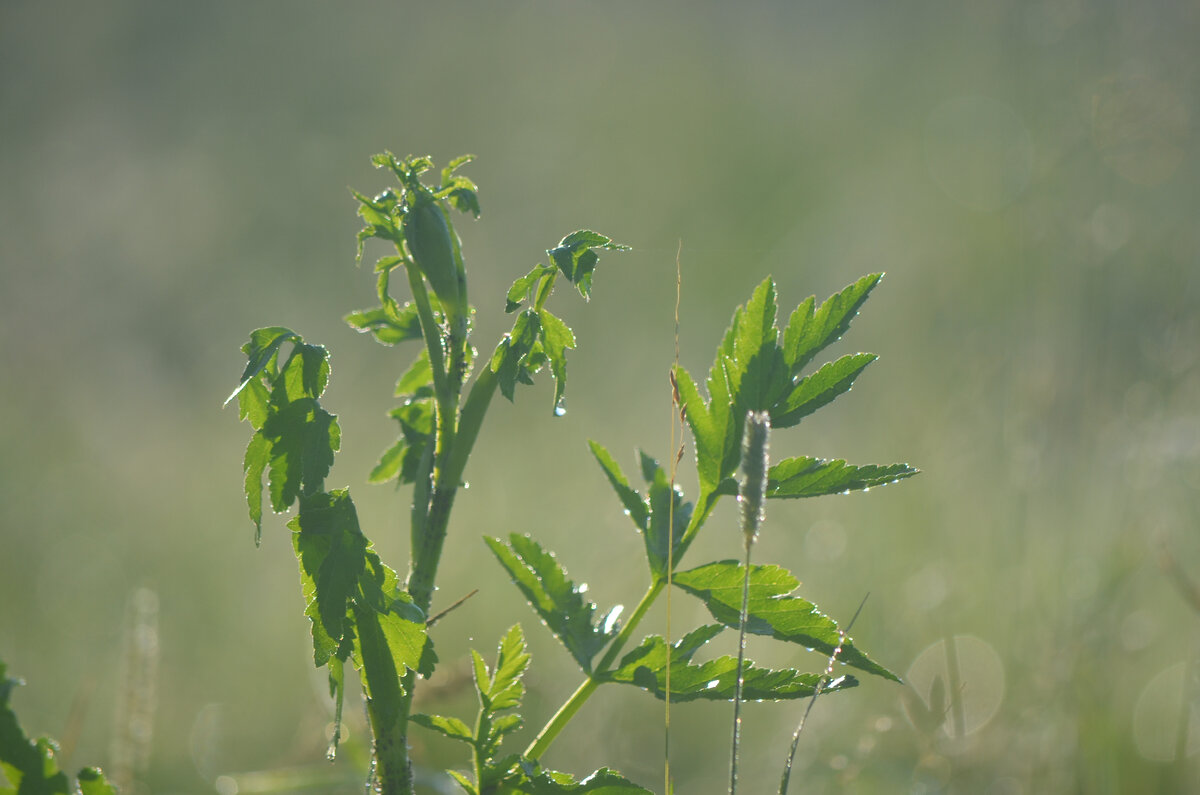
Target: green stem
[(433, 339), (567, 711)]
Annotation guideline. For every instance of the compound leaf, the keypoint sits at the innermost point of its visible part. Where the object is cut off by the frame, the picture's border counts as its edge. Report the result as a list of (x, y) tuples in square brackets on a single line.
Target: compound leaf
[(575, 256), (815, 477), (555, 598), (331, 550), (715, 680), (808, 333), (814, 391), (772, 610)]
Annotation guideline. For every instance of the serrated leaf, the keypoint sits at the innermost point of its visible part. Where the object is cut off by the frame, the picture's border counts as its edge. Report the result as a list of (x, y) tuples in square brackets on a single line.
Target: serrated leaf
[(507, 361), (523, 288), (814, 391), (401, 621), (772, 610), (635, 504), (303, 438), (555, 598), (305, 374), (575, 257), (331, 550), (808, 333), (452, 728), (666, 505), (454, 165), (254, 464), (505, 690), (815, 477), (556, 339), (261, 351), (715, 680), (754, 364), (254, 403), (707, 432), (389, 328)]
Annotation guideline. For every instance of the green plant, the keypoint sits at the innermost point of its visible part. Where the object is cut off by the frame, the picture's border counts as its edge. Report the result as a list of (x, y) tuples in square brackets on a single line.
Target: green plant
[(31, 766), (360, 609)]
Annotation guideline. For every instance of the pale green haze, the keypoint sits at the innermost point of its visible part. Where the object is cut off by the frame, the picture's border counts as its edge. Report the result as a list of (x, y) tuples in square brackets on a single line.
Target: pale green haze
[(1027, 174)]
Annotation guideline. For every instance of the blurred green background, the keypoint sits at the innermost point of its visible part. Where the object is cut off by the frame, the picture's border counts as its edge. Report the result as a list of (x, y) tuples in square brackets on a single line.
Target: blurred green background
[(175, 175)]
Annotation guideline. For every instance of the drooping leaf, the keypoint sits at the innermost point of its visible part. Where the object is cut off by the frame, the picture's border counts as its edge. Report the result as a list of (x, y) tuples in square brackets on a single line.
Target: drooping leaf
[(772, 610), (815, 477), (508, 359), (576, 257), (814, 391), (254, 464), (715, 680), (261, 352), (808, 333), (556, 339), (452, 728), (555, 598), (331, 550)]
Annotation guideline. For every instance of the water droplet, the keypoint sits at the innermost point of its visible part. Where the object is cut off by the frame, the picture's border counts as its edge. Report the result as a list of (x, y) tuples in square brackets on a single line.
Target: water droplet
[(560, 408), (466, 485), (711, 685)]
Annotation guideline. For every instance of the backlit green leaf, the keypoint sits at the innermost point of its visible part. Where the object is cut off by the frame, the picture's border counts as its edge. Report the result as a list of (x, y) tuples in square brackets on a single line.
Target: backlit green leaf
[(815, 477), (453, 728), (814, 391), (635, 504), (331, 550), (808, 333), (506, 690), (576, 258), (390, 328), (772, 610), (531, 779), (261, 353), (523, 289), (556, 338), (715, 680), (555, 598), (303, 438), (93, 782)]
